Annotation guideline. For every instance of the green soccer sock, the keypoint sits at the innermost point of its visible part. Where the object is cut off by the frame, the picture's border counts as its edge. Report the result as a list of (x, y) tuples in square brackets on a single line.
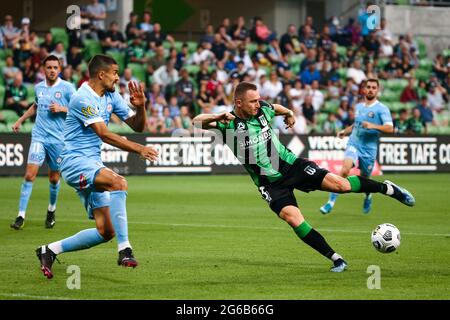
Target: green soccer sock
[(314, 239), (359, 184)]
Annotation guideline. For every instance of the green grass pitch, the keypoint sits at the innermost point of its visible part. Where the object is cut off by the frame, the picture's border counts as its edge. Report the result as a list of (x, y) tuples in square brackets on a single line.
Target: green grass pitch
[(213, 237)]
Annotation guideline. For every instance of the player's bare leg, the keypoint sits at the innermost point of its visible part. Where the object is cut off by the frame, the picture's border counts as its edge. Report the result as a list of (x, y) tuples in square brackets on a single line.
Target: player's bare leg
[(311, 237)]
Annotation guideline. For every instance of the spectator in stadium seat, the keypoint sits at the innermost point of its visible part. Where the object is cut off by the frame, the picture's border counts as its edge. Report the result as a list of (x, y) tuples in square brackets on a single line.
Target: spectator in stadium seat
[(409, 93), (260, 32), (238, 31), (185, 89), (309, 22), (135, 52), (60, 53), (186, 120), (174, 111), (10, 33), (166, 76), (440, 68), (16, 95), (371, 45), (75, 57), (203, 75), (324, 42), (311, 57), (182, 57), (284, 97), (426, 114), (289, 42), (132, 28), (202, 53), (146, 26), (415, 124), (308, 111), (308, 39), (273, 52), (435, 97), (204, 100), (29, 73), (386, 49), (158, 36), (157, 60), (332, 124), (96, 12), (355, 72), (127, 76), (9, 70), (401, 125), (350, 119), (317, 96), (272, 87), (310, 74), (218, 47), (114, 39), (208, 36)]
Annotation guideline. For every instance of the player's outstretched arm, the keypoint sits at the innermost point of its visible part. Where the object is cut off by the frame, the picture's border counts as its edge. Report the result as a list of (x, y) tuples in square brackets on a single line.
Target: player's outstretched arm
[(31, 111), (137, 99), (209, 121), (113, 139), (288, 114)]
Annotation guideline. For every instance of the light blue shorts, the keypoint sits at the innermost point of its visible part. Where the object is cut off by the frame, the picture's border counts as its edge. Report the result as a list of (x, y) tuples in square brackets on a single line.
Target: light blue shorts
[(79, 173), (40, 151), (363, 162)]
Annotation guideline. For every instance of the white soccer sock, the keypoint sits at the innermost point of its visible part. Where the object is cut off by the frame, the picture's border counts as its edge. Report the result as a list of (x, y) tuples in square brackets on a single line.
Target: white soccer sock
[(56, 247), (335, 257), (389, 190), (51, 207), (124, 245), (21, 214)]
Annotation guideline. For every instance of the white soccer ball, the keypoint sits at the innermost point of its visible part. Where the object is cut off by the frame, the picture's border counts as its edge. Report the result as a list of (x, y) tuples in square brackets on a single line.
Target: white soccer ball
[(386, 238)]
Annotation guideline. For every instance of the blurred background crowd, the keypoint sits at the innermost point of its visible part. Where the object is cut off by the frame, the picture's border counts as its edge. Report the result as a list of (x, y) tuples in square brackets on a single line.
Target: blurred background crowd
[(316, 73)]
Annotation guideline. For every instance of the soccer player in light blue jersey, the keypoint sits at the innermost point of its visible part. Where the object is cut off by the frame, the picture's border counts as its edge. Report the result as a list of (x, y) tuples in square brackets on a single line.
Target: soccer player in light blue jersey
[(52, 99), (102, 191), (372, 118)]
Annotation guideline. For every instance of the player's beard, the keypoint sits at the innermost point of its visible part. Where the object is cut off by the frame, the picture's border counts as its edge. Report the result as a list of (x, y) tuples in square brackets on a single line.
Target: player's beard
[(112, 89)]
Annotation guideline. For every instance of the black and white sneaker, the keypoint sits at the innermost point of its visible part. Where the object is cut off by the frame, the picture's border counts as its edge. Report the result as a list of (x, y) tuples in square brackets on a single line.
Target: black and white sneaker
[(50, 221), (46, 258), (126, 258), (18, 223)]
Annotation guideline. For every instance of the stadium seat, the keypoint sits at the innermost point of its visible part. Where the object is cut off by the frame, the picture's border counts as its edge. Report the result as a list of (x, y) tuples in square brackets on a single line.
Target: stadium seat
[(138, 71), (422, 74), (3, 127), (426, 64), (395, 106), (391, 95), (446, 53), (2, 95), (382, 62), (342, 72), (10, 116), (422, 48), (31, 93), (60, 35), (119, 57), (192, 69), (331, 106), (192, 46), (91, 48), (341, 50), (4, 53), (27, 127), (396, 84)]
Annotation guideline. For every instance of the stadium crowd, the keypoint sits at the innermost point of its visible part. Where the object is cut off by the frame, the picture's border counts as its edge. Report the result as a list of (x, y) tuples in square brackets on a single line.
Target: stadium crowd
[(316, 73)]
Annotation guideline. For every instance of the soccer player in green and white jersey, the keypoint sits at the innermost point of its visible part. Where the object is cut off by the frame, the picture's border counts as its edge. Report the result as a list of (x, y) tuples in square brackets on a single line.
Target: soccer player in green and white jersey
[(276, 171)]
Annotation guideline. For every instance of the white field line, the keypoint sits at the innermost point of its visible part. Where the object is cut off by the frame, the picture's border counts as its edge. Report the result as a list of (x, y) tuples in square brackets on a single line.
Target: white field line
[(29, 296), (193, 225)]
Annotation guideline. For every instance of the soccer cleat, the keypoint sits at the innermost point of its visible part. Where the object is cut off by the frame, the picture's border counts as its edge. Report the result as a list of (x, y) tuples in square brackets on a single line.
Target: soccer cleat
[(46, 258), (18, 223), (339, 265), (367, 205), (326, 208), (126, 258), (50, 221), (401, 194)]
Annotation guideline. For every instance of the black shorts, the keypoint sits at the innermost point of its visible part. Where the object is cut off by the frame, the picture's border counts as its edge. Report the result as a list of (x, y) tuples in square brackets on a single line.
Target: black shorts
[(304, 175)]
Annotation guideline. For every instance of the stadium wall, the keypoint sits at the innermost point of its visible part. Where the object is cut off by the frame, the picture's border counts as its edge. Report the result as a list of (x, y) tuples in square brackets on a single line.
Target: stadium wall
[(207, 155)]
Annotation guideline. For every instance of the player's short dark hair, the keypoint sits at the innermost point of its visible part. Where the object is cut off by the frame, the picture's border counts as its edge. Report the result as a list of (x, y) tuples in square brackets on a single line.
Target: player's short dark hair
[(99, 62), (242, 88), (373, 80), (51, 57)]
